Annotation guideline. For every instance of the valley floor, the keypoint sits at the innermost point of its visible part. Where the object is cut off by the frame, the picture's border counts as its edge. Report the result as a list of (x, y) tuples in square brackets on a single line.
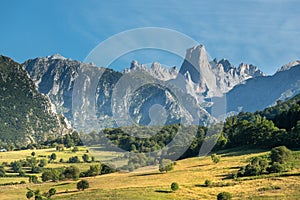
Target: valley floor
[(148, 183)]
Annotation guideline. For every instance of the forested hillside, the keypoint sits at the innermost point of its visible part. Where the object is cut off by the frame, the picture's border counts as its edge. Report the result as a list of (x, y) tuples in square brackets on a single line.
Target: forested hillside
[(25, 114)]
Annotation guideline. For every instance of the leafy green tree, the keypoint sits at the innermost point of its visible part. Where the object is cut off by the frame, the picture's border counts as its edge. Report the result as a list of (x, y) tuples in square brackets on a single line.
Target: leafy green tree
[(52, 192), (29, 194), (257, 166), (85, 158), (74, 159), (224, 196), (53, 156), (16, 166), (106, 169), (33, 153), (276, 168), (76, 138), (215, 158), (43, 163), (72, 172), (94, 170), (82, 185), (174, 186), (280, 154), (46, 176), (166, 165), (33, 179), (68, 141)]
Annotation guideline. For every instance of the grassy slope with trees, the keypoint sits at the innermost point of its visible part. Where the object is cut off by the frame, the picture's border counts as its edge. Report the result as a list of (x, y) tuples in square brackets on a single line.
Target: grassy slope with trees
[(190, 174)]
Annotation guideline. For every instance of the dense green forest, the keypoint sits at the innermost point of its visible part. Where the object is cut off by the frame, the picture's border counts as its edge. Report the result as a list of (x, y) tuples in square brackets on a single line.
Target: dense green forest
[(274, 126)]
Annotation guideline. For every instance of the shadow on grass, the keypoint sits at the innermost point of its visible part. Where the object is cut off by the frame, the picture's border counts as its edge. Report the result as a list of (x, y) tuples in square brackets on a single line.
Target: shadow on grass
[(62, 184), (147, 174), (163, 191), (68, 192), (198, 166), (200, 185), (235, 167)]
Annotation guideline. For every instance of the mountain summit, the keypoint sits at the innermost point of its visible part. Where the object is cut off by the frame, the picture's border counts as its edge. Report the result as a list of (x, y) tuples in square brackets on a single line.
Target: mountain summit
[(213, 78)]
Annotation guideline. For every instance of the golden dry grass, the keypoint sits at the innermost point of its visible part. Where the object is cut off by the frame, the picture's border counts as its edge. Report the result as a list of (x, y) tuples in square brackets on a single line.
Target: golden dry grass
[(190, 174)]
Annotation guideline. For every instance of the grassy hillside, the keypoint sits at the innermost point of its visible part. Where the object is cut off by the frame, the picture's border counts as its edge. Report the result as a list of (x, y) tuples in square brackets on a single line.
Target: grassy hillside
[(149, 183)]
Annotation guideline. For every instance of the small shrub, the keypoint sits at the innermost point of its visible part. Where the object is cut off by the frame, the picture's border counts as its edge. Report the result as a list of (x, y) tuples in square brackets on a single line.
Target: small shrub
[(74, 159), (82, 185), (33, 179), (208, 183), (174, 186), (52, 192), (224, 196), (280, 154), (276, 168), (215, 158), (29, 194), (166, 165)]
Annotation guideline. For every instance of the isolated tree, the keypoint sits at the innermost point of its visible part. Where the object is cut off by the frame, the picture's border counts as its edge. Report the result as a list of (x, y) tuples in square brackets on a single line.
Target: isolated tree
[(85, 158), (33, 153), (224, 196), (29, 194), (215, 158), (82, 185), (52, 192), (166, 165), (174, 186), (280, 154), (53, 156)]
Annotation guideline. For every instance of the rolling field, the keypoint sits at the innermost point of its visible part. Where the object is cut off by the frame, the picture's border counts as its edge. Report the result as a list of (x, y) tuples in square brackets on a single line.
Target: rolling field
[(149, 183)]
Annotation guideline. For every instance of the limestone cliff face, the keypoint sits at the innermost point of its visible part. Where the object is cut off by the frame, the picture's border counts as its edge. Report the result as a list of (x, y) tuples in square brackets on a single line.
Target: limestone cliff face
[(138, 93)]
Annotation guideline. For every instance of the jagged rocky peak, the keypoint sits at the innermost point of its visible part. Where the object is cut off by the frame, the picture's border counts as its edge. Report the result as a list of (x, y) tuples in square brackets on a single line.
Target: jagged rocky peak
[(289, 66), (56, 56), (156, 70), (210, 78), (249, 70), (225, 64), (197, 64)]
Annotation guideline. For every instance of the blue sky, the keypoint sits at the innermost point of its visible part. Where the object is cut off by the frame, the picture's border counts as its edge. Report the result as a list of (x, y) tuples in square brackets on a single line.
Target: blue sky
[(265, 33)]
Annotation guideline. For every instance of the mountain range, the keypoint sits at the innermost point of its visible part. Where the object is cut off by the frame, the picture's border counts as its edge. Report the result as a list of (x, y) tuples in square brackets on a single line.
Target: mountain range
[(196, 93)]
